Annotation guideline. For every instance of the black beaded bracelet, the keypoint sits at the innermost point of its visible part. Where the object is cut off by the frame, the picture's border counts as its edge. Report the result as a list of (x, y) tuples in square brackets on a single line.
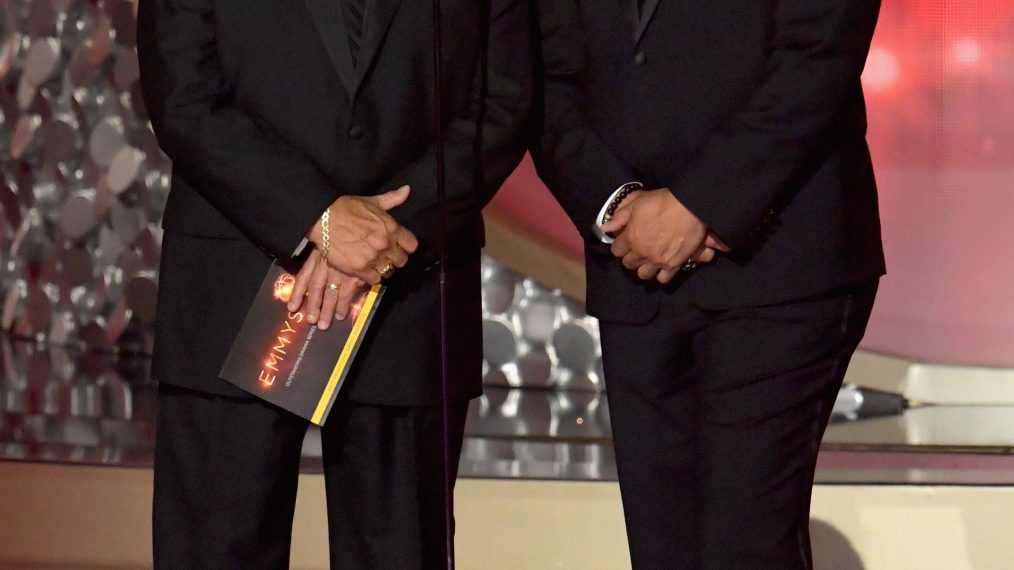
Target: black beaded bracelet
[(621, 195)]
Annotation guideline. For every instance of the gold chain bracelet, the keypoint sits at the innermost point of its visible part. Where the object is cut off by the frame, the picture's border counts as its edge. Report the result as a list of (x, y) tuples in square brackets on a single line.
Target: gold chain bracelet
[(325, 233)]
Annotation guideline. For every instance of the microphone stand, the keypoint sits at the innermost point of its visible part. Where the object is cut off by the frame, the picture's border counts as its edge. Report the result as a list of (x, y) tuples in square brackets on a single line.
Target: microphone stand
[(449, 468), (450, 465)]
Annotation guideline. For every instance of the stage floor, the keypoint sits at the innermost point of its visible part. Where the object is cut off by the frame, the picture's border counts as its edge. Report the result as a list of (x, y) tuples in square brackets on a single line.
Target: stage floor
[(895, 490)]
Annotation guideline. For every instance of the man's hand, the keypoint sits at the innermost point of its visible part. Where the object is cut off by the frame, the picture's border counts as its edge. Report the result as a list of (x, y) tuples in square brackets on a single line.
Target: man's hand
[(704, 255), (364, 237), (659, 235), (321, 302)]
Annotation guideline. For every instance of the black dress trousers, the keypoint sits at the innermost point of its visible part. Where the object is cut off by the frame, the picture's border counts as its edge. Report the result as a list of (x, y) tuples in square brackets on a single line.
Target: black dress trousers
[(717, 418), (226, 471)]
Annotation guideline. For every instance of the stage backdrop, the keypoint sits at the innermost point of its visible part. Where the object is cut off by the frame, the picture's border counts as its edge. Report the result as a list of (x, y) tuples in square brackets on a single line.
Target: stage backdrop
[(82, 184)]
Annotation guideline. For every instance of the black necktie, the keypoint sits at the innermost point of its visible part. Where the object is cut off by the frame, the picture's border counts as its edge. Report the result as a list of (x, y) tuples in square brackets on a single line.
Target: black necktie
[(352, 11)]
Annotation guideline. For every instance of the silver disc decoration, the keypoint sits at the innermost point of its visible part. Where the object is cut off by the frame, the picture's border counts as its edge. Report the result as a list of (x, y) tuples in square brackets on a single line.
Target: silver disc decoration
[(82, 182), (534, 337)]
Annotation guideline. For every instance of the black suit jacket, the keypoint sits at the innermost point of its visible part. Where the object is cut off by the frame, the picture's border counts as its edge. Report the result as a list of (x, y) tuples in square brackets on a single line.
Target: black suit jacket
[(267, 123), (752, 113)]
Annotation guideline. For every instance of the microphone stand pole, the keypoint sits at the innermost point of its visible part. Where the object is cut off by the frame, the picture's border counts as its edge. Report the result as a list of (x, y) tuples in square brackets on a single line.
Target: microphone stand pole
[(449, 468)]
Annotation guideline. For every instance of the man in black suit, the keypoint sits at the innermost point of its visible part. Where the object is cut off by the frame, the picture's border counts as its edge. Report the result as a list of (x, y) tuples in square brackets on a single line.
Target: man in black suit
[(719, 147), (278, 114)]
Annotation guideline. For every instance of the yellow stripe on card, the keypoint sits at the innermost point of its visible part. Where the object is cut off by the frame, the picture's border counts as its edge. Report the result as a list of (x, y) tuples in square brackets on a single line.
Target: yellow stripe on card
[(346, 354)]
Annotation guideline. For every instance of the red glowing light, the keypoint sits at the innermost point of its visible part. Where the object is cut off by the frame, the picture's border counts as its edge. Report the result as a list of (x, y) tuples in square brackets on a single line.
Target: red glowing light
[(967, 51), (284, 286), (356, 308), (881, 70)]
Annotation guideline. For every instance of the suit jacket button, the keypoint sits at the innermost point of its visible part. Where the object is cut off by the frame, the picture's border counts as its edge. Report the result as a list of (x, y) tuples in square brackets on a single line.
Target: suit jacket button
[(356, 132), (640, 58)]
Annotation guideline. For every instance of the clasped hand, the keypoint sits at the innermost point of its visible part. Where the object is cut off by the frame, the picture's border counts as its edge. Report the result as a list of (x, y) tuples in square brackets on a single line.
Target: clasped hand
[(364, 237), (656, 235), (365, 242)]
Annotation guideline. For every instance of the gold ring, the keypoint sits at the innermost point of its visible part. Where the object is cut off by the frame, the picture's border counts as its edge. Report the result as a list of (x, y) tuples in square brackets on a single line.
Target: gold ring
[(334, 287), (387, 270)]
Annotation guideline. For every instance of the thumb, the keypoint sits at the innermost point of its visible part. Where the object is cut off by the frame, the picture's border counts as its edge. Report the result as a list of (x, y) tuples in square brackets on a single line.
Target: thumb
[(713, 242), (392, 199), (619, 221)]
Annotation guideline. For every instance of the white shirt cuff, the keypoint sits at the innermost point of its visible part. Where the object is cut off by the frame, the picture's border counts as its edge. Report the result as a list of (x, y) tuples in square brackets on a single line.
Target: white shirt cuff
[(601, 218), (299, 248)]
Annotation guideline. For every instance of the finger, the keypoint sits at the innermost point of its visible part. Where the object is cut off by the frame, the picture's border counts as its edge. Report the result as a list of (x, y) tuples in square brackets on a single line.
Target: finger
[(648, 271), (621, 245), (407, 241), (392, 199), (385, 268), (316, 292), (299, 288), (619, 221), (350, 293), (713, 242), (704, 255), (633, 261), (370, 276), (379, 242), (657, 258), (683, 254), (667, 275), (384, 256), (396, 256), (327, 307)]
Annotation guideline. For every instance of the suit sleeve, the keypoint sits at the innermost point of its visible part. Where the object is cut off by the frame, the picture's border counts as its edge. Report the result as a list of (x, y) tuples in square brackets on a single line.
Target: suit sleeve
[(486, 141), (571, 158), (269, 190), (791, 118)]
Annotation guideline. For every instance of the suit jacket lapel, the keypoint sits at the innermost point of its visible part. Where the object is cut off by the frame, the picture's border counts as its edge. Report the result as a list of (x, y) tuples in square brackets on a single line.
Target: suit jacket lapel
[(326, 15), (645, 19), (379, 14)]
